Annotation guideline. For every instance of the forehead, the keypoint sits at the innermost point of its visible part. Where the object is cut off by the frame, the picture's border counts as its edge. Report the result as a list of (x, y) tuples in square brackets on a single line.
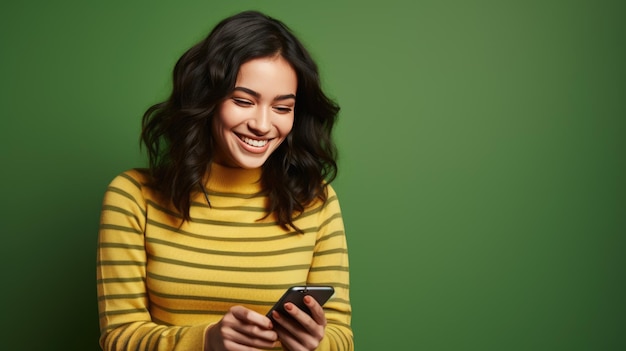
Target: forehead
[(268, 75)]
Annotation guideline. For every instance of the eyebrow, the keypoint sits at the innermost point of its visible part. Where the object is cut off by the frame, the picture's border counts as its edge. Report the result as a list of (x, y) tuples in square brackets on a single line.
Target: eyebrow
[(257, 95)]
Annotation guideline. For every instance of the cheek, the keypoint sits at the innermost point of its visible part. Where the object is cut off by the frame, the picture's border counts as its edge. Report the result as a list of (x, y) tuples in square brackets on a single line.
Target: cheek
[(227, 116), (285, 126)]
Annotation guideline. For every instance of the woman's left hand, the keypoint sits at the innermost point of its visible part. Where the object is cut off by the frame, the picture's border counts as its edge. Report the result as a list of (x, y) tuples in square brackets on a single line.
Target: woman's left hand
[(303, 332)]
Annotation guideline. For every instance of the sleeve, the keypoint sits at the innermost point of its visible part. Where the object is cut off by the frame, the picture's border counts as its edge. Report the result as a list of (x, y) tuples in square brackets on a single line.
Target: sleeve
[(330, 267), (125, 321)]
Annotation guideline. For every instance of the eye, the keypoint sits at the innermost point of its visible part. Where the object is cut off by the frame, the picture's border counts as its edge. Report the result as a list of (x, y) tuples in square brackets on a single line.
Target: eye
[(283, 109), (242, 102)]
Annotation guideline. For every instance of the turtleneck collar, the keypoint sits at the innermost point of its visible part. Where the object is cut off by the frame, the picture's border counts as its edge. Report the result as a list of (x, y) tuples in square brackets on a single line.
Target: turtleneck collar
[(237, 180)]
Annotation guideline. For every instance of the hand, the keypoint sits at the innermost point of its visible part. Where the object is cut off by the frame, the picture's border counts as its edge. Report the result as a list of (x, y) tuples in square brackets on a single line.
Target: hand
[(241, 329), (303, 332)]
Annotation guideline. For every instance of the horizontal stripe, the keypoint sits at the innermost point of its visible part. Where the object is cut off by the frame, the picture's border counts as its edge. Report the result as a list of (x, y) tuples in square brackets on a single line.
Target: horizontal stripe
[(234, 195), (330, 269), (122, 326), (211, 299), (238, 208), (175, 214), (220, 283), (330, 252), (210, 221), (203, 205), (116, 190), (111, 245), (226, 239), (118, 312), (160, 208), (335, 284), (120, 210), (228, 300), (180, 311), (120, 263), (343, 301), (233, 224), (121, 296), (329, 220), (120, 228), (230, 253), (230, 268), (137, 184), (330, 236), (119, 280)]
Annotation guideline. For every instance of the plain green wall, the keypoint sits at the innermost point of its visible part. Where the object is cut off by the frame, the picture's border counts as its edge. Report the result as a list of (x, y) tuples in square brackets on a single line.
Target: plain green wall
[(482, 179)]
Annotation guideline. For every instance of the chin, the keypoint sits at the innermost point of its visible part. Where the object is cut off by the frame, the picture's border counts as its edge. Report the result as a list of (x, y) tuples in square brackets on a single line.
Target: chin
[(251, 166), (250, 163)]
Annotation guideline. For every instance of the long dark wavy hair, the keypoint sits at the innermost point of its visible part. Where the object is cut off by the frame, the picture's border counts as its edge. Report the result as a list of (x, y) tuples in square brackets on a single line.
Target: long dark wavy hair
[(177, 132)]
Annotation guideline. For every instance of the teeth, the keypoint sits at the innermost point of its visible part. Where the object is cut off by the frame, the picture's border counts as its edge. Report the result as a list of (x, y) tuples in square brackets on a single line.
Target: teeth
[(254, 142)]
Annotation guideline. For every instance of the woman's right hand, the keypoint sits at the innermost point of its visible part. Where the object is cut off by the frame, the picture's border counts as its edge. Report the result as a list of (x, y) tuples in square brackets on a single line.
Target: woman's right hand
[(241, 329)]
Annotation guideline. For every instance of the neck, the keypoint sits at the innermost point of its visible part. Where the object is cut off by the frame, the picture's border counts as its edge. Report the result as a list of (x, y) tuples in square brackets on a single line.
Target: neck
[(229, 179)]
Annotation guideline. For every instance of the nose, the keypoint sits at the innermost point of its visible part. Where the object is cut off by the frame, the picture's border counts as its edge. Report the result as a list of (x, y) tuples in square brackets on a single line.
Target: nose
[(260, 123)]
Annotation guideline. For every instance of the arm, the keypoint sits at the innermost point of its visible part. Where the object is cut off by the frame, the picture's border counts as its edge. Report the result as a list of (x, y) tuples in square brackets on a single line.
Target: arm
[(125, 320), (329, 329), (330, 267)]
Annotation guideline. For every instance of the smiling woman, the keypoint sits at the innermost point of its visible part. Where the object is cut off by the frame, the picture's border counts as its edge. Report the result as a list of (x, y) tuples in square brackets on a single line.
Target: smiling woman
[(258, 116), (235, 207)]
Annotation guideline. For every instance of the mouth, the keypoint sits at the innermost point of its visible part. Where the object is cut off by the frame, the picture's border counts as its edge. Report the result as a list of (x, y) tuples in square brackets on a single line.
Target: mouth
[(254, 142)]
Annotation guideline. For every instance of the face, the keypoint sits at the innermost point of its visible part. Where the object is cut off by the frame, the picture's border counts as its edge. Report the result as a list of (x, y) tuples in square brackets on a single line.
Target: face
[(254, 120)]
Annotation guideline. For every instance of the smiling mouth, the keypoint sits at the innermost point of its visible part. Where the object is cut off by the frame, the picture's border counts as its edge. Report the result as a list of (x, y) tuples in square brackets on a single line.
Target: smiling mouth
[(253, 142)]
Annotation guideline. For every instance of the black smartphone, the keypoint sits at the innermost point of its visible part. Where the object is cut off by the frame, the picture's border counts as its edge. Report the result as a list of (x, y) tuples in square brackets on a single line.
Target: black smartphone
[(296, 294)]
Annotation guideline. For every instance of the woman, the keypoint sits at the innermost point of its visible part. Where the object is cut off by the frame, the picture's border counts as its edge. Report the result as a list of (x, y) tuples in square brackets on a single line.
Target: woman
[(235, 207)]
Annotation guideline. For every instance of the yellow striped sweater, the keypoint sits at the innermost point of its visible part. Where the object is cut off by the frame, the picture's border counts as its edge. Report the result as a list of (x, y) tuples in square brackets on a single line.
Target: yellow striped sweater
[(162, 284)]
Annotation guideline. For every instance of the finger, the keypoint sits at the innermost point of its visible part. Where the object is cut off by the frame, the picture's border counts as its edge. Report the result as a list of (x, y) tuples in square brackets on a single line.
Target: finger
[(303, 326), (253, 332), (296, 342), (252, 324), (294, 317), (251, 317), (287, 341), (225, 336), (292, 325), (249, 339), (317, 312), (230, 330), (304, 319), (286, 321)]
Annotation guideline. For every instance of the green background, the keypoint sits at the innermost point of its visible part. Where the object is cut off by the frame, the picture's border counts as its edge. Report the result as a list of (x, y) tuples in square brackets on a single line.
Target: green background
[(482, 170)]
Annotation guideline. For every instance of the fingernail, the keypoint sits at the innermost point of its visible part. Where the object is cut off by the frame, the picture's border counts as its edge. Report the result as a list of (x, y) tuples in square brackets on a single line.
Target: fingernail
[(288, 306), (307, 299), (276, 315)]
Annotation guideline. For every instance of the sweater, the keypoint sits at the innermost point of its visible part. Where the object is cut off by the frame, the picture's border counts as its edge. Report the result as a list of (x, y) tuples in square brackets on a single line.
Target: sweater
[(162, 282)]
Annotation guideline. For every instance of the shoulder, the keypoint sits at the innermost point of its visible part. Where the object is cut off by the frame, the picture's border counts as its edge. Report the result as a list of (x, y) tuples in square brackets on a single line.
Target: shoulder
[(135, 178), (332, 200), (126, 200), (331, 203), (130, 185), (330, 191)]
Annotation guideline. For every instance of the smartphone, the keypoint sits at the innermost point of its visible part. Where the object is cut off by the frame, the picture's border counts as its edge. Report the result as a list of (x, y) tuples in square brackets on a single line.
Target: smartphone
[(296, 294)]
